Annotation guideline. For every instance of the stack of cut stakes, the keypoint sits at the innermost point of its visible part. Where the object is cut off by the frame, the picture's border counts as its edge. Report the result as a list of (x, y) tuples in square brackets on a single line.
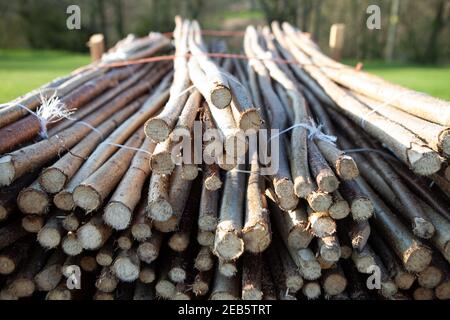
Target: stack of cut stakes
[(356, 208)]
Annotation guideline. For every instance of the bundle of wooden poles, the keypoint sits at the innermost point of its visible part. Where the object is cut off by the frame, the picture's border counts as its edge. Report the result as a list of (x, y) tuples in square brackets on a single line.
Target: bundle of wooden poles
[(357, 206)]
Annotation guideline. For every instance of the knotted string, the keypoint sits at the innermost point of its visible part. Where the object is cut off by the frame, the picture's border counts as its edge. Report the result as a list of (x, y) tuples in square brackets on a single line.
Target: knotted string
[(314, 132)]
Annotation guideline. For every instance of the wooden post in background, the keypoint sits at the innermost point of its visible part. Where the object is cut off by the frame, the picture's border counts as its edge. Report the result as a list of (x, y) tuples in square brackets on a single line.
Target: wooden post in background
[(337, 38), (96, 45)]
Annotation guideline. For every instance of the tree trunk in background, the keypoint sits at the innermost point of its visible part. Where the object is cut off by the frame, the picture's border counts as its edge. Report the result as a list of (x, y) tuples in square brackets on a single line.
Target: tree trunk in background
[(392, 31), (307, 6), (102, 16), (195, 8), (317, 19), (438, 24), (118, 7)]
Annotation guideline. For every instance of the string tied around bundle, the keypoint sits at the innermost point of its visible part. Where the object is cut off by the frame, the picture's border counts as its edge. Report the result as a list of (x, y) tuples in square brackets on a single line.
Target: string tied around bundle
[(314, 132)]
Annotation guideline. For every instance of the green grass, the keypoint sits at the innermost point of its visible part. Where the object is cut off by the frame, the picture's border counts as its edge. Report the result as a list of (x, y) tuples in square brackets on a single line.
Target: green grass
[(434, 80), (24, 70)]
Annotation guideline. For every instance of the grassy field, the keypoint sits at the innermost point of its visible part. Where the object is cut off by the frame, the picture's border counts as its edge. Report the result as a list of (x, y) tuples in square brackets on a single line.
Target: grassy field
[(21, 71)]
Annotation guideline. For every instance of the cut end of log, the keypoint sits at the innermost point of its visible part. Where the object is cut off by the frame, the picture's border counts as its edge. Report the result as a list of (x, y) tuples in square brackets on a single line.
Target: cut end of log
[(32, 201), (347, 168), (207, 223), (311, 290), (346, 252), (250, 120), (3, 213), (334, 284), (71, 222), (160, 210), (33, 223), (22, 288), (106, 284), (49, 278), (178, 242), (443, 291), (177, 275), (157, 130), (361, 209), (222, 296), (444, 142), (6, 295), (205, 238), (294, 283), (363, 262), (404, 280), (105, 296), (103, 259), (71, 246), (147, 275), (166, 226), (64, 201), (226, 166), (430, 277), (320, 201), (423, 294), (250, 293), (124, 243), (189, 172), (228, 245), (221, 97), (7, 171), (88, 263), (52, 180), (7, 265), (330, 254), (162, 163), (228, 269), (213, 183), (257, 238), (200, 288), (327, 183), (417, 258), (125, 269), (426, 164), (165, 289), (147, 252), (117, 215), (422, 228), (339, 210), (59, 294), (86, 198), (323, 226), (90, 237), (302, 188), (49, 238), (388, 289), (141, 231)]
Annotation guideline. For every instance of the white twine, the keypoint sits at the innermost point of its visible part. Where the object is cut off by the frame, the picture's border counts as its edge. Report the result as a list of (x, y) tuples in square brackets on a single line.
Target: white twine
[(376, 108), (362, 150), (127, 147), (314, 132), (87, 125), (50, 111)]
